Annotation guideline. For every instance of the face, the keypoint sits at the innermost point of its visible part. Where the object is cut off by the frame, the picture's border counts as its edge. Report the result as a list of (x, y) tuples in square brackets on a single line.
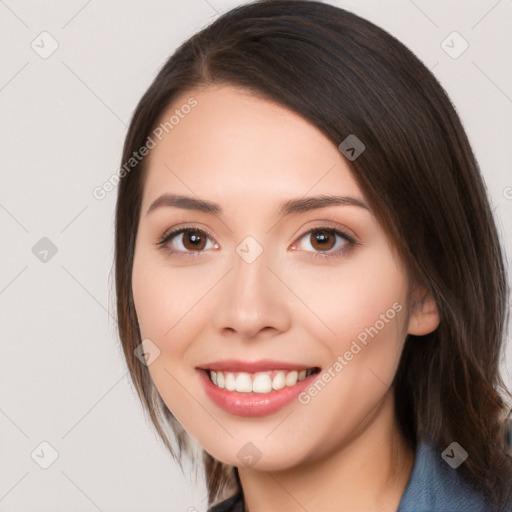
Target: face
[(253, 288)]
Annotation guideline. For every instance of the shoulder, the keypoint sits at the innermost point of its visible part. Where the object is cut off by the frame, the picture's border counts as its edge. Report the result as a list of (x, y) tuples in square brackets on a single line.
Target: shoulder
[(435, 486)]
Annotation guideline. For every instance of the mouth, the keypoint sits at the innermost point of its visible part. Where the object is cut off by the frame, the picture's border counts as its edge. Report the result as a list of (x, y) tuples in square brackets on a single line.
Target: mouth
[(255, 388), (262, 382)]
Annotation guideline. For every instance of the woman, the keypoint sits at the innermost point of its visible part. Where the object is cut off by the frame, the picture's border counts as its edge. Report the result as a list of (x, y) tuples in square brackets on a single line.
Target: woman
[(309, 281)]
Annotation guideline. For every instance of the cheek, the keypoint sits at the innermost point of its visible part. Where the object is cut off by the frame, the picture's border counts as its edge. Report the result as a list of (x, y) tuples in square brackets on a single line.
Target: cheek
[(166, 301), (150, 293), (165, 312), (363, 298), (364, 308)]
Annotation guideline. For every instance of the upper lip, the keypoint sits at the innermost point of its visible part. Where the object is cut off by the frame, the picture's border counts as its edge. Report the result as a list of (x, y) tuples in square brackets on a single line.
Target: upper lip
[(261, 365)]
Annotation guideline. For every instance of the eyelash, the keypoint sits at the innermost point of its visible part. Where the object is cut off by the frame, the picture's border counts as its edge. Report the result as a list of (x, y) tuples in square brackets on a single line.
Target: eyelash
[(185, 229)]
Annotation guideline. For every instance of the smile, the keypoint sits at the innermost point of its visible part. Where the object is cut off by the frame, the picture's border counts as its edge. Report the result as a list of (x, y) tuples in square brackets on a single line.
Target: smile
[(254, 388), (259, 382)]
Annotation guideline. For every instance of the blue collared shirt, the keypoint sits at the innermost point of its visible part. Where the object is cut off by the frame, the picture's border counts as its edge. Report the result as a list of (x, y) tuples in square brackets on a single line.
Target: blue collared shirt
[(433, 486), (436, 486)]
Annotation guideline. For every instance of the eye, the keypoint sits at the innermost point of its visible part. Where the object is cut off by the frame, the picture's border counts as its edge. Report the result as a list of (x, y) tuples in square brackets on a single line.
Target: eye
[(187, 240), (323, 241), (327, 242)]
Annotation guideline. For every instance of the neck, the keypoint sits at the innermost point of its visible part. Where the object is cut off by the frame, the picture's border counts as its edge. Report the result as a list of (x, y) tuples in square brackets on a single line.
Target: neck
[(368, 472)]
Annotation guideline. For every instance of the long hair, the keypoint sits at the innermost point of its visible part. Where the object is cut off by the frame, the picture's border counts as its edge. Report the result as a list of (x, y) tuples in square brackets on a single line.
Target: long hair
[(420, 176)]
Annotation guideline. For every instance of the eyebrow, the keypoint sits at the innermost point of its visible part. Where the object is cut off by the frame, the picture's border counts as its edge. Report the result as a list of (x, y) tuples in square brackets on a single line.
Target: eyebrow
[(289, 207)]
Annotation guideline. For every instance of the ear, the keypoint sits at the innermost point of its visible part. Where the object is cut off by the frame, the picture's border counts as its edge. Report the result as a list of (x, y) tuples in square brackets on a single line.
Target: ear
[(424, 315)]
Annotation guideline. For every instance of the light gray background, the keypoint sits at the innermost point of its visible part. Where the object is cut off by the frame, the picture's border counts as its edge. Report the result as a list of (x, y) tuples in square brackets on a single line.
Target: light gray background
[(62, 124)]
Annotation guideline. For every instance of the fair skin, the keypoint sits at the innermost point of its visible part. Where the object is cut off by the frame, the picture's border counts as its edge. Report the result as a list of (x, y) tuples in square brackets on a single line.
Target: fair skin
[(249, 155)]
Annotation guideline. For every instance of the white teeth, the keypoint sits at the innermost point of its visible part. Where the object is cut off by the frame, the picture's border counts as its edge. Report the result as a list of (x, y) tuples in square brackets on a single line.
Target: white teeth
[(243, 383), (291, 378), (230, 381), (279, 381), (261, 382)]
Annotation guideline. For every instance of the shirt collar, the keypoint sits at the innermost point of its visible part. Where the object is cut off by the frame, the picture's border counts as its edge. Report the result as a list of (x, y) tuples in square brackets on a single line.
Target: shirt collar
[(435, 485)]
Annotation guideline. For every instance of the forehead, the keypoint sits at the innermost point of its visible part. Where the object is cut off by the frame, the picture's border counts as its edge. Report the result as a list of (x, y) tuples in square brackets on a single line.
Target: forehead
[(232, 141)]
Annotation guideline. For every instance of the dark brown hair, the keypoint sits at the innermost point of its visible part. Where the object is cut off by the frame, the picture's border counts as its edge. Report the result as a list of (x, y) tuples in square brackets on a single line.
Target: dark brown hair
[(419, 174)]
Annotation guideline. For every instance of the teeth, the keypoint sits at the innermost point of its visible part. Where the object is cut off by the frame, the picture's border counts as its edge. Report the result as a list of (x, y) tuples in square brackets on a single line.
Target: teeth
[(243, 383), (230, 381), (279, 381), (291, 378), (261, 382)]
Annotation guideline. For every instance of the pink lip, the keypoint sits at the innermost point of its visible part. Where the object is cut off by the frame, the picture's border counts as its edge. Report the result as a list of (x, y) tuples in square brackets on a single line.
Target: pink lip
[(253, 404), (263, 365)]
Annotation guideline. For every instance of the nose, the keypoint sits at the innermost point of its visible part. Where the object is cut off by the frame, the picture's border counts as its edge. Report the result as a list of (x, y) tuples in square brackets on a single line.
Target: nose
[(253, 301)]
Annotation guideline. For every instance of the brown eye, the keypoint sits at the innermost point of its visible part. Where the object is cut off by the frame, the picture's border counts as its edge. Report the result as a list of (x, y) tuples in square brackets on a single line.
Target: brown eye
[(194, 240), (186, 240), (322, 240)]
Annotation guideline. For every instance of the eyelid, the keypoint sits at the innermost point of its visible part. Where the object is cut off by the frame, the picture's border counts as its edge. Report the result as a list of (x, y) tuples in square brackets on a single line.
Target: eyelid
[(330, 254), (330, 225), (337, 232), (186, 227), (173, 232)]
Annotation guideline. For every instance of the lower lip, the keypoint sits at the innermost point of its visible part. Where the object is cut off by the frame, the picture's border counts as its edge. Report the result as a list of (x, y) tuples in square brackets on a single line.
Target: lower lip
[(253, 404)]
